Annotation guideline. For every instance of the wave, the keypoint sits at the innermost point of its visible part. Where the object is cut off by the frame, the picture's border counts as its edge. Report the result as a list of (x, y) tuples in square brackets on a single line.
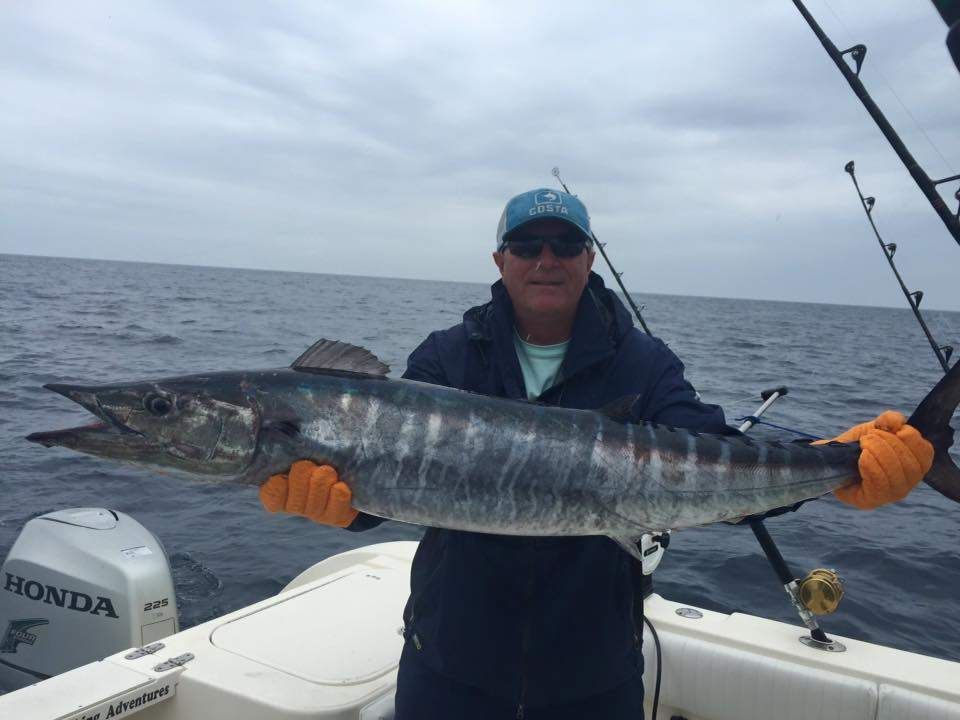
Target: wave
[(744, 345), (78, 326), (164, 340), (193, 580)]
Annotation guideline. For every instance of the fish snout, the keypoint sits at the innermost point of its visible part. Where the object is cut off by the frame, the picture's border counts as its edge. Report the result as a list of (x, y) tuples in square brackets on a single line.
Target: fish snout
[(81, 395), (56, 438)]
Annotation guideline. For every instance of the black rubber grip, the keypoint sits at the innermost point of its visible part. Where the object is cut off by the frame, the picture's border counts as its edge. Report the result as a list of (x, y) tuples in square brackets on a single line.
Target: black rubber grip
[(765, 395)]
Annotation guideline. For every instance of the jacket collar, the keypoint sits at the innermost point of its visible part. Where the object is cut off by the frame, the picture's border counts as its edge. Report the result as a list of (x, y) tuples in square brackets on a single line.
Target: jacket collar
[(600, 323)]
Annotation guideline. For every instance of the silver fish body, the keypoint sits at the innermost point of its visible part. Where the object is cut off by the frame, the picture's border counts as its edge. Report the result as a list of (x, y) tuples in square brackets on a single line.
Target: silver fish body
[(448, 458)]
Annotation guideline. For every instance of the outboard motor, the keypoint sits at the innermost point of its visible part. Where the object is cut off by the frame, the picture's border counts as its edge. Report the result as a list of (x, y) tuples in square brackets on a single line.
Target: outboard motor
[(79, 585)]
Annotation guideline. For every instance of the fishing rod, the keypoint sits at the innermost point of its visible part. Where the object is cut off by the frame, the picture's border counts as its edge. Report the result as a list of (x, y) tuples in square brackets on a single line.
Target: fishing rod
[(852, 75), (818, 593), (821, 589), (943, 352), (951, 15), (617, 275)]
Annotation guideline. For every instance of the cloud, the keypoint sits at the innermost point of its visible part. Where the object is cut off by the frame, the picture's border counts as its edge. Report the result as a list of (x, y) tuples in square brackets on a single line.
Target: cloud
[(707, 139)]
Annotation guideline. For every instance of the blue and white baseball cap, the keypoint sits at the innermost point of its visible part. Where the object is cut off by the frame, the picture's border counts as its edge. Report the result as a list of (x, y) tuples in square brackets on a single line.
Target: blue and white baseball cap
[(541, 204)]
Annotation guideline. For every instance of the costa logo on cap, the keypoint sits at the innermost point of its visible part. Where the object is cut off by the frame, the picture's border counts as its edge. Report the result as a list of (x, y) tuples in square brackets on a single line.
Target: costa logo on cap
[(548, 196), (548, 201)]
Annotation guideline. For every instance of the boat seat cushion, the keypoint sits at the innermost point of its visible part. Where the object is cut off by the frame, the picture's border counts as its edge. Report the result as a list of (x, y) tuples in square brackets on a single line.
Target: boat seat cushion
[(708, 680), (899, 704)]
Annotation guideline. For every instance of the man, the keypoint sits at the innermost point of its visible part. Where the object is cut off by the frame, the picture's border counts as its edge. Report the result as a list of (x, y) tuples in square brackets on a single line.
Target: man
[(519, 627)]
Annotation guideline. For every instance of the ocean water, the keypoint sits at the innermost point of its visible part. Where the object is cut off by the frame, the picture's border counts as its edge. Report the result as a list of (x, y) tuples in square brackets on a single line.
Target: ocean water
[(95, 321)]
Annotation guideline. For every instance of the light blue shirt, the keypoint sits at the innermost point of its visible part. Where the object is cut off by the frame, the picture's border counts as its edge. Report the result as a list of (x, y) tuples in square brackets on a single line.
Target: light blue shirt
[(540, 364)]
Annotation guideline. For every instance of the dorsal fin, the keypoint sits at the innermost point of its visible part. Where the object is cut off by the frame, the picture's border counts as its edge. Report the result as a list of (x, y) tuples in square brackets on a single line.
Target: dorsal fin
[(335, 356)]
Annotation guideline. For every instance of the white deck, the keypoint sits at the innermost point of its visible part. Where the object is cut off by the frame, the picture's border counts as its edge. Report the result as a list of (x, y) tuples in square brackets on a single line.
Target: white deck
[(327, 647)]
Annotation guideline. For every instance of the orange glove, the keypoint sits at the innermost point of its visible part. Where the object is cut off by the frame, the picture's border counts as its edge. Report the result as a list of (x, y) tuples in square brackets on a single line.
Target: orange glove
[(312, 491), (894, 457)]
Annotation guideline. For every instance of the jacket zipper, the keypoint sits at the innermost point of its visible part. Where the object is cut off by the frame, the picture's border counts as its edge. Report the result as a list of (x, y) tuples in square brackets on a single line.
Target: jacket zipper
[(525, 641)]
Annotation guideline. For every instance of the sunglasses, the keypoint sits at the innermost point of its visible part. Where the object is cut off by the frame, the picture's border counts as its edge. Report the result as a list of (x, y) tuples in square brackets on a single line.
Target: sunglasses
[(563, 246)]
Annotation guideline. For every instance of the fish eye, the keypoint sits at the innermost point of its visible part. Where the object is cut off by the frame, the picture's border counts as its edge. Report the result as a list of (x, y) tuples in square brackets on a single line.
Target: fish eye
[(157, 404)]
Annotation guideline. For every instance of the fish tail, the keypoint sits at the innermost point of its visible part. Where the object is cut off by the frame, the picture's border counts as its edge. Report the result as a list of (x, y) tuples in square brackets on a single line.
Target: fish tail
[(932, 419)]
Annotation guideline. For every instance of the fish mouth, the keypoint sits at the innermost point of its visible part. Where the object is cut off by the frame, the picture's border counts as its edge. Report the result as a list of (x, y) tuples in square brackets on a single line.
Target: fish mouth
[(107, 430)]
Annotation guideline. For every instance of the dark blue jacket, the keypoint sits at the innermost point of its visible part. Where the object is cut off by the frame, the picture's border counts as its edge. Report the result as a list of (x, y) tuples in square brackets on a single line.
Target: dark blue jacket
[(540, 620)]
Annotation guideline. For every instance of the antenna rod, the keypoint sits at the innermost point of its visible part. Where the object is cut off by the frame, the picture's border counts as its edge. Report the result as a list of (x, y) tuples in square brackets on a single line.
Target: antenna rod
[(927, 186), (616, 275)]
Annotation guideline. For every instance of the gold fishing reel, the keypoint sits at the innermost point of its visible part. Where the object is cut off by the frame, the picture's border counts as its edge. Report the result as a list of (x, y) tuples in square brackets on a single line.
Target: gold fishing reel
[(821, 591)]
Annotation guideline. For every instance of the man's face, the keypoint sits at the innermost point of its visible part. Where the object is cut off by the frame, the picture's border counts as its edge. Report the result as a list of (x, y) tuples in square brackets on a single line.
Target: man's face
[(545, 285)]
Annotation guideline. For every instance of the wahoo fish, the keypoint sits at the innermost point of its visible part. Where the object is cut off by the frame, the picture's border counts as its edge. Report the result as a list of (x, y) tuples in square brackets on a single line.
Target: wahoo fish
[(432, 455)]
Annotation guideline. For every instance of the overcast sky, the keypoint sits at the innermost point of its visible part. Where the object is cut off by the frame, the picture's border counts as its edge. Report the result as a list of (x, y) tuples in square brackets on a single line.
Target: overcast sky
[(707, 138)]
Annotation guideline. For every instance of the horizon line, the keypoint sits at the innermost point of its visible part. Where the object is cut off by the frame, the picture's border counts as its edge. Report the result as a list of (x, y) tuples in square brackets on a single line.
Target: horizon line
[(462, 282)]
